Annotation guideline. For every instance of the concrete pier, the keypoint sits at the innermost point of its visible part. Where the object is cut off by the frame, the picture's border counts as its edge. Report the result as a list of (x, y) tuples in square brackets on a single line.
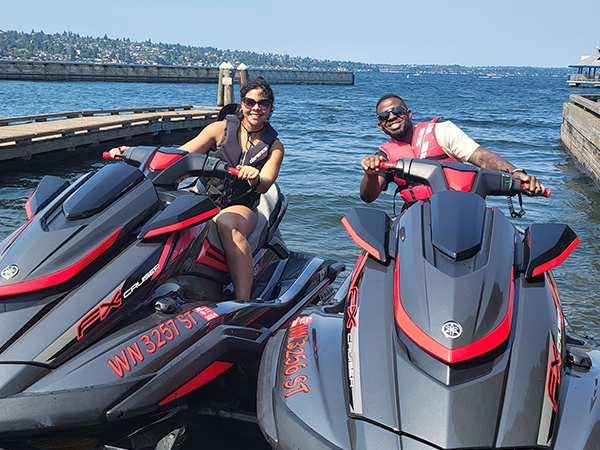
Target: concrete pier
[(29, 136), (580, 132), (137, 73)]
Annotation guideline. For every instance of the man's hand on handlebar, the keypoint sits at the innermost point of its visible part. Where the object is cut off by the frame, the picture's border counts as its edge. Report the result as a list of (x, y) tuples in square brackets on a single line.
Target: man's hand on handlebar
[(371, 164), (530, 183)]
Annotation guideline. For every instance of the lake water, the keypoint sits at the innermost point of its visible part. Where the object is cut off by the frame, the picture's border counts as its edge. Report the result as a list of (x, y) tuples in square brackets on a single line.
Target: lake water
[(326, 130)]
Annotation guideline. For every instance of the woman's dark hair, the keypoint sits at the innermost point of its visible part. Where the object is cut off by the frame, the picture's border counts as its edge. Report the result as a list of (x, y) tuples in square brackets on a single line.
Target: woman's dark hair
[(256, 83), (386, 96)]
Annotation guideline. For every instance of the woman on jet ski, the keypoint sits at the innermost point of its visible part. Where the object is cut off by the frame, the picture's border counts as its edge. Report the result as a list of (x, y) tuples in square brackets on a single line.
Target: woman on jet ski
[(245, 140)]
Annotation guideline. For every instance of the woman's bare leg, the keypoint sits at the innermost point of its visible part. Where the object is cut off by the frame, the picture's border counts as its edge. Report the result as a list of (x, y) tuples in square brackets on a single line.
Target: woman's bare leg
[(235, 224)]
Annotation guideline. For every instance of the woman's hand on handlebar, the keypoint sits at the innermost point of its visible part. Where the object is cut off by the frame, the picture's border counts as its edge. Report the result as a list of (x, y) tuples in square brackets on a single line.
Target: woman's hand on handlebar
[(249, 173), (371, 164), (114, 153), (531, 184)]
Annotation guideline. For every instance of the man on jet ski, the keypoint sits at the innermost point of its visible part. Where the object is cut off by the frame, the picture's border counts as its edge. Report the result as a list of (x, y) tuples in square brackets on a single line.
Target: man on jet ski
[(437, 140)]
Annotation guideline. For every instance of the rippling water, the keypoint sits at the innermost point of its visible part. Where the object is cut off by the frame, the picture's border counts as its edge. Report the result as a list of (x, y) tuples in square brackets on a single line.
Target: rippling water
[(326, 130)]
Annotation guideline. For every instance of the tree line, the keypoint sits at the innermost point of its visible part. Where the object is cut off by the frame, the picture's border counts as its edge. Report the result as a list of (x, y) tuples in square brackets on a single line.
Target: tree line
[(68, 46)]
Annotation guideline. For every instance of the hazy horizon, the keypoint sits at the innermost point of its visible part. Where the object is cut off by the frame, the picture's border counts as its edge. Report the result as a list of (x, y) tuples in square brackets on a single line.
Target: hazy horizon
[(468, 33)]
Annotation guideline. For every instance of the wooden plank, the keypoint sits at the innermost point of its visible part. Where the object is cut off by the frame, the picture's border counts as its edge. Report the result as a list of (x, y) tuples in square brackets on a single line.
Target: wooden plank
[(584, 154), (580, 132), (38, 129), (587, 124), (31, 138), (587, 102), (74, 114)]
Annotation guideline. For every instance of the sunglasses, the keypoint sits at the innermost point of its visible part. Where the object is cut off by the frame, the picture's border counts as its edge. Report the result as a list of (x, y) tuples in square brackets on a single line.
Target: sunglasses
[(396, 110), (250, 102)]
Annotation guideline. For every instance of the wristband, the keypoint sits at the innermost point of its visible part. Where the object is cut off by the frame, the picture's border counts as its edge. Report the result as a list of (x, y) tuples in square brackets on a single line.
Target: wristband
[(512, 172)]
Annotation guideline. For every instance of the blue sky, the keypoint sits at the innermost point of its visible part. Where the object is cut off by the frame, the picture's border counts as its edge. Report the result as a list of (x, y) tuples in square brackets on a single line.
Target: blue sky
[(544, 33)]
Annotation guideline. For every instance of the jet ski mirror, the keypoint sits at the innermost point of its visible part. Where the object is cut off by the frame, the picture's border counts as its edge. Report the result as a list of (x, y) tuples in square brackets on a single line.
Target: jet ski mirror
[(546, 246), (369, 228), (44, 193)]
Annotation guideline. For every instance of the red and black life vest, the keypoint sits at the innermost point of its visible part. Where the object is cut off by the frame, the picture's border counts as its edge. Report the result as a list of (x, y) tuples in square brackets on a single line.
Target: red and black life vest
[(424, 146)]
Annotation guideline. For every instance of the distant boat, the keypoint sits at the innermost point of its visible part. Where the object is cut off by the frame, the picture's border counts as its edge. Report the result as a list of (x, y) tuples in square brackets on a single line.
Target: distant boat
[(490, 75), (588, 71)]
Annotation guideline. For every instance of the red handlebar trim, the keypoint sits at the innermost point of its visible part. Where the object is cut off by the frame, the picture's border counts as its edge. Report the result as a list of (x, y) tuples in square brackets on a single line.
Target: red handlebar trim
[(545, 194), (106, 155), (386, 165), (234, 171)]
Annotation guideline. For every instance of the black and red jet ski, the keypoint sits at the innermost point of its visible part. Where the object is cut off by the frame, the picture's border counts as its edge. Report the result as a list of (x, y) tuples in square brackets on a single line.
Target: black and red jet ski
[(448, 334), (105, 328)]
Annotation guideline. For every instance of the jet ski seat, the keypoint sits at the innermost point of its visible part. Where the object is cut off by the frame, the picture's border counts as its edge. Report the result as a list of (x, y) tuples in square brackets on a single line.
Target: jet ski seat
[(268, 211), (226, 110)]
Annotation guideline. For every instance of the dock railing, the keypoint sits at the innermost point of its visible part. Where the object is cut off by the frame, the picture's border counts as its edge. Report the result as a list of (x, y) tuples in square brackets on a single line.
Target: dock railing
[(575, 79)]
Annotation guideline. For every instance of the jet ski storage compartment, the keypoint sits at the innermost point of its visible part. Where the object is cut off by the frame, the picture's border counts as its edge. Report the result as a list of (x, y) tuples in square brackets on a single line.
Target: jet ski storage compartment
[(457, 223), (100, 190)]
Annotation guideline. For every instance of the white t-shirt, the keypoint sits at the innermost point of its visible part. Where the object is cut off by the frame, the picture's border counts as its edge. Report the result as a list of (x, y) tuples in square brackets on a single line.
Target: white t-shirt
[(454, 141)]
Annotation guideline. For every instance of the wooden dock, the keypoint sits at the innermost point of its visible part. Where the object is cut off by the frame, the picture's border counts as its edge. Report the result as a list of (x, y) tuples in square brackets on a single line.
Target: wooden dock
[(580, 132), (28, 136)]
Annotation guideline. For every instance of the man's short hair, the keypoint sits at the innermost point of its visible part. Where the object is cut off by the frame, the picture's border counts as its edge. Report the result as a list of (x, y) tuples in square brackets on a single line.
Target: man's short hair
[(386, 96)]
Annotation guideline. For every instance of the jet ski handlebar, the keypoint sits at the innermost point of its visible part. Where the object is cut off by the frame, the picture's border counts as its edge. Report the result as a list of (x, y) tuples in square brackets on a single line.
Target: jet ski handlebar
[(456, 176), (168, 166)]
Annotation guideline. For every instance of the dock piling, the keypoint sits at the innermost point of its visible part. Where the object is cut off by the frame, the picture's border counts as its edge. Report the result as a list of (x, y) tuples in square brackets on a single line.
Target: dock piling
[(220, 91), (228, 96), (243, 71)]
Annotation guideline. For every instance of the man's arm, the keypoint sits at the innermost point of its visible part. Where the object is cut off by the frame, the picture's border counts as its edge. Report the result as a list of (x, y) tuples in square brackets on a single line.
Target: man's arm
[(490, 160), (372, 183)]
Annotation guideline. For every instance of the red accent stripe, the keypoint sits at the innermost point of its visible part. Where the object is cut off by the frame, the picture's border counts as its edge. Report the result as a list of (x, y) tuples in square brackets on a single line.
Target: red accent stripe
[(11, 238), (163, 256), (360, 262), (186, 237), (257, 316), (423, 340), (62, 275), (161, 160), (459, 180), (209, 260), (208, 374), (263, 265), (28, 205), (556, 300), (186, 223), (556, 261), (359, 241)]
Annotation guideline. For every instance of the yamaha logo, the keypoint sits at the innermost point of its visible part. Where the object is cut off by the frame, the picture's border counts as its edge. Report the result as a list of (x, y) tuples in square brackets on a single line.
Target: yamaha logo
[(9, 271), (452, 330)]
